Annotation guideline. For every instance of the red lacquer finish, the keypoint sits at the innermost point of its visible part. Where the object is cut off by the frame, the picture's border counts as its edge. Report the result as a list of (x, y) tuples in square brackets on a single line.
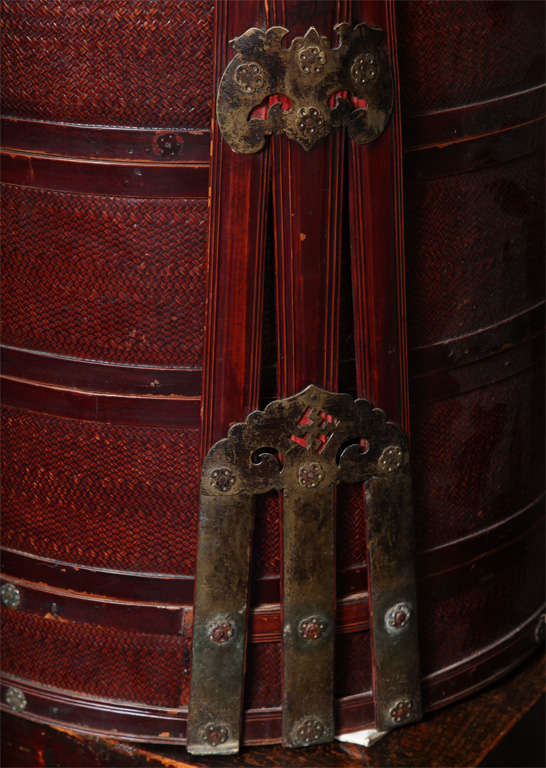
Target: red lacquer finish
[(307, 203), (117, 62), (377, 249), (236, 254), (96, 142), (157, 287)]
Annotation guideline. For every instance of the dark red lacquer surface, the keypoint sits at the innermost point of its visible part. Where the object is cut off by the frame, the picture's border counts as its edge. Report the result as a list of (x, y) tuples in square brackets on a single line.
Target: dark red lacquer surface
[(157, 287)]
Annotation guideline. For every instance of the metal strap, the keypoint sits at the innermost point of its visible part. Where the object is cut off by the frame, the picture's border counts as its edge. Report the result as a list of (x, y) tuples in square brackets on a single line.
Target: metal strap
[(303, 446)]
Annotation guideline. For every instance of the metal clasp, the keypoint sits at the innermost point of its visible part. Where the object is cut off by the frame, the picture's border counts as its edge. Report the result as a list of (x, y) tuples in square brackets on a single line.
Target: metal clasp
[(303, 446), (306, 90)]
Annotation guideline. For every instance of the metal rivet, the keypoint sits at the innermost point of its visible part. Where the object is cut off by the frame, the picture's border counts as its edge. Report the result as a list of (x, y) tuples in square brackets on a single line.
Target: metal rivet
[(391, 458), (310, 474), (401, 710), (250, 78), (223, 479), (168, 144), (15, 699), (221, 633), (215, 734), (312, 628), (311, 123), (11, 596), (363, 68), (313, 57), (397, 617), (308, 730)]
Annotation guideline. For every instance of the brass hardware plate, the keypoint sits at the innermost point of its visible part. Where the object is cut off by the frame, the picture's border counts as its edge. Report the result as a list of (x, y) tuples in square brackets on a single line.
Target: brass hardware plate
[(324, 87), (303, 446)]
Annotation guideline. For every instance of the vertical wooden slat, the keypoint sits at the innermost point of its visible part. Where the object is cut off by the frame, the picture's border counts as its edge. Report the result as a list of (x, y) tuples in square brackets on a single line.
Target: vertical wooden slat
[(377, 247), (238, 193), (307, 204)]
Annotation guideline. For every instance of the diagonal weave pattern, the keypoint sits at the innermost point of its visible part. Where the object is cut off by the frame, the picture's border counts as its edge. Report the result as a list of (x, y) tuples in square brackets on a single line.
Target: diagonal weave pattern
[(350, 526), (108, 495), (350, 533), (488, 228), (477, 458), (450, 620), (454, 53), (120, 62), (264, 670), (263, 675), (353, 671), (104, 278), (95, 660), (266, 548)]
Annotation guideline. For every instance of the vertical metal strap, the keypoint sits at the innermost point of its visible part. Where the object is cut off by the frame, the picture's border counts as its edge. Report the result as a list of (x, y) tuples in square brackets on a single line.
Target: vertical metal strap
[(308, 616), (220, 619), (307, 188), (303, 445), (392, 594)]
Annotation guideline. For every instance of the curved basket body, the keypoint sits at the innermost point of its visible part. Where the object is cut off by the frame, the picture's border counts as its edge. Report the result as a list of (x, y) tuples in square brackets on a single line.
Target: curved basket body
[(158, 287)]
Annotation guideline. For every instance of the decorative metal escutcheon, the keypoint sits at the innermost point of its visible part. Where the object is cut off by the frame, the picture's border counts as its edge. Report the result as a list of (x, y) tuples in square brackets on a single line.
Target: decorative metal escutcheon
[(305, 90), (303, 446)]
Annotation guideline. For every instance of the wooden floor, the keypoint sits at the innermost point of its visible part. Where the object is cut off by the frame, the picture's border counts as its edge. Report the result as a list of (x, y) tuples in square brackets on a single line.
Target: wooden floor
[(502, 726)]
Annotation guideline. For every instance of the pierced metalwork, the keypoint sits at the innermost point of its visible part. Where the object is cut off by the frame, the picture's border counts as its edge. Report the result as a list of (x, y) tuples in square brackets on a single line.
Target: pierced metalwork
[(15, 699), (11, 596), (302, 446), (324, 88)]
